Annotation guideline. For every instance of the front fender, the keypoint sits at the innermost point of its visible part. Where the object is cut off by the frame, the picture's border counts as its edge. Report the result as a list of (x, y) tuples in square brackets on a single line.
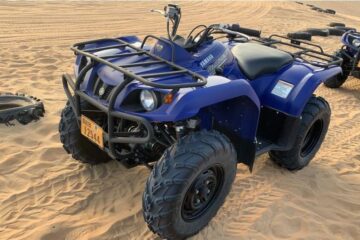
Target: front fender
[(231, 106), (217, 90)]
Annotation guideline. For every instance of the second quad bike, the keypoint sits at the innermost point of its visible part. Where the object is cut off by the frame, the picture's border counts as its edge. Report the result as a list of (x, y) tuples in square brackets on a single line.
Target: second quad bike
[(192, 108), (350, 53)]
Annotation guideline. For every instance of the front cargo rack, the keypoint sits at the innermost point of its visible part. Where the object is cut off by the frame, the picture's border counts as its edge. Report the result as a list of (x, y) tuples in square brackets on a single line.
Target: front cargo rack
[(109, 136), (312, 54), (199, 80)]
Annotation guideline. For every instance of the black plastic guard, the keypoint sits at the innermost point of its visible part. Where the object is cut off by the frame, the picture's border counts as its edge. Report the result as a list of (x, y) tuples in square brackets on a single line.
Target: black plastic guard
[(245, 149)]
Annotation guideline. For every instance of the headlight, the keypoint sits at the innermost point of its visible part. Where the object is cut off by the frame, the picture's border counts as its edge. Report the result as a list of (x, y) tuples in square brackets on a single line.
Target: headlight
[(148, 100), (356, 43)]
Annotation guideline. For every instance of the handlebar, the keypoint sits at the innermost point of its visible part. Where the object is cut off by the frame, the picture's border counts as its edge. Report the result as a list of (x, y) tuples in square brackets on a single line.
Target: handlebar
[(247, 31), (172, 12), (227, 29), (232, 30)]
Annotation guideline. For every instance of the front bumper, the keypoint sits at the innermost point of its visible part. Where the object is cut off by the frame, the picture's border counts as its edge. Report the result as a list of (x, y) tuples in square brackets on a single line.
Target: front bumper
[(109, 138)]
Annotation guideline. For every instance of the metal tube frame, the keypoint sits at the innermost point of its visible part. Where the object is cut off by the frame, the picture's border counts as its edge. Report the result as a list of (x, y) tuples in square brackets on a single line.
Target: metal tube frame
[(199, 79), (110, 112), (74, 99)]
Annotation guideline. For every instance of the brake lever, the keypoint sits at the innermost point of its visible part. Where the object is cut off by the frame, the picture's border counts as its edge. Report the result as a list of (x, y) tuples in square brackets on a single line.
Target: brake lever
[(222, 27), (158, 11)]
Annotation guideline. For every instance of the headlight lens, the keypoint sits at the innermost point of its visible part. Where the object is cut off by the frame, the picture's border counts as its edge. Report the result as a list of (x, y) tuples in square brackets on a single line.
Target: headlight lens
[(148, 100), (356, 43)]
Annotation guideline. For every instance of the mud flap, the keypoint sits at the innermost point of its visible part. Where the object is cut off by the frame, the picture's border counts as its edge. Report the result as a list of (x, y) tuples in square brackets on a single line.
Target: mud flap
[(246, 151)]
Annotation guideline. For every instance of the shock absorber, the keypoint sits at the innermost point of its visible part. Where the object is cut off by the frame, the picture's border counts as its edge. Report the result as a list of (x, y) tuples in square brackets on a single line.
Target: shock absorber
[(180, 130), (183, 128)]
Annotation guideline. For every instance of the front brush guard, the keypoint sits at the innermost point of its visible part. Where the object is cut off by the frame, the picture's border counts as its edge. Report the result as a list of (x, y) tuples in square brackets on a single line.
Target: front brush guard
[(111, 114), (129, 76)]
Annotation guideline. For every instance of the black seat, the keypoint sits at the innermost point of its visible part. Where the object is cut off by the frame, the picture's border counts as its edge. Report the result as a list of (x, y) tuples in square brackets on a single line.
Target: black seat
[(256, 59)]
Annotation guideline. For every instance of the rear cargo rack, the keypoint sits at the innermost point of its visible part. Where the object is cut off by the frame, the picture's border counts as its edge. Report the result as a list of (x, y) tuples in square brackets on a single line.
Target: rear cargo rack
[(109, 137), (313, 51)]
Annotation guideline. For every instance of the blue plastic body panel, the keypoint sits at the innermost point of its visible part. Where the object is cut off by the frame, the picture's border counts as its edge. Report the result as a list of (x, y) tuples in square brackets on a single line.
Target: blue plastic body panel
[(232, 87), (304, 78)]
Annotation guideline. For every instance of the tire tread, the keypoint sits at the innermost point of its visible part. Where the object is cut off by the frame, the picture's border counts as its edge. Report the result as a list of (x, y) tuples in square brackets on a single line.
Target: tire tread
[(183, 157), (72, 142), (290, 159)]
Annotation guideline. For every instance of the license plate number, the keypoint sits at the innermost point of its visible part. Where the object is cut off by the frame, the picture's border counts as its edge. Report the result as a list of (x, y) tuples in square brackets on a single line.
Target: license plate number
[(92, 131)]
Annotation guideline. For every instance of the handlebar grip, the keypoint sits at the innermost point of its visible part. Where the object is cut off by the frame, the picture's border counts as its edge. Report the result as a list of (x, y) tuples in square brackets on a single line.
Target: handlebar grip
[(250, 32), (247, 31)]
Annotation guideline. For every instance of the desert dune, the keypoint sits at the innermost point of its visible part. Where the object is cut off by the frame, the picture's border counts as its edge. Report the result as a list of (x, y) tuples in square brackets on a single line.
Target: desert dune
[(45, 194)]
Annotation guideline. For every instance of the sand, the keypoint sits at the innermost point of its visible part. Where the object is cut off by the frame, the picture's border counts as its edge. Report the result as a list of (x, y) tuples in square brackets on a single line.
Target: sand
[(45, 194)]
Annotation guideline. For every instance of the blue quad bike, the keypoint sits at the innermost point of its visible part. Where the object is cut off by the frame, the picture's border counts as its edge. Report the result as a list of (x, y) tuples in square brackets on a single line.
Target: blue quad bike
[(350, 53), (192, 108)]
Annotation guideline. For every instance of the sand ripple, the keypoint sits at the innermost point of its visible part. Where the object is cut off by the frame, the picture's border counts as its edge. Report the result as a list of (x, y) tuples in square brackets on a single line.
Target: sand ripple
[(44, 194)]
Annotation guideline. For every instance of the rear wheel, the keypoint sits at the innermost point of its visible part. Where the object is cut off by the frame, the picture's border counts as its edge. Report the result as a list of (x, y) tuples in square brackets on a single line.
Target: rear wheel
[(314, 124), (76, 144), (189, 184), (338, 80)]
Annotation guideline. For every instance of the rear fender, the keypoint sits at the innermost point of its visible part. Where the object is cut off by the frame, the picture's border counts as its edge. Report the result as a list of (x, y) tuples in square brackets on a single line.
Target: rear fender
[(304, 81)]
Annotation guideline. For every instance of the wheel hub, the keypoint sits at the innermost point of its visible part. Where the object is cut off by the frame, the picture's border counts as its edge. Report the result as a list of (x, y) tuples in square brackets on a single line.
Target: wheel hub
[(202, 193)]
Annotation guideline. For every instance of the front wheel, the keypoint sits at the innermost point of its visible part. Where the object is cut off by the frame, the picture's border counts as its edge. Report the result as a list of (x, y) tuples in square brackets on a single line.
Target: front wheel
[(76, 144), (315, 121), (189, 184)]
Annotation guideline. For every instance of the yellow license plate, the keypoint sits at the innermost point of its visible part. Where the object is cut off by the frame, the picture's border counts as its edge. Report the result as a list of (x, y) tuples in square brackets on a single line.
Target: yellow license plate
[(92, 131)]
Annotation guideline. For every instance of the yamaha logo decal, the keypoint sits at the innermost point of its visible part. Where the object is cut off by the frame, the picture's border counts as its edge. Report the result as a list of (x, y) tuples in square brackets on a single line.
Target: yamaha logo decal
[(206, 61)]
